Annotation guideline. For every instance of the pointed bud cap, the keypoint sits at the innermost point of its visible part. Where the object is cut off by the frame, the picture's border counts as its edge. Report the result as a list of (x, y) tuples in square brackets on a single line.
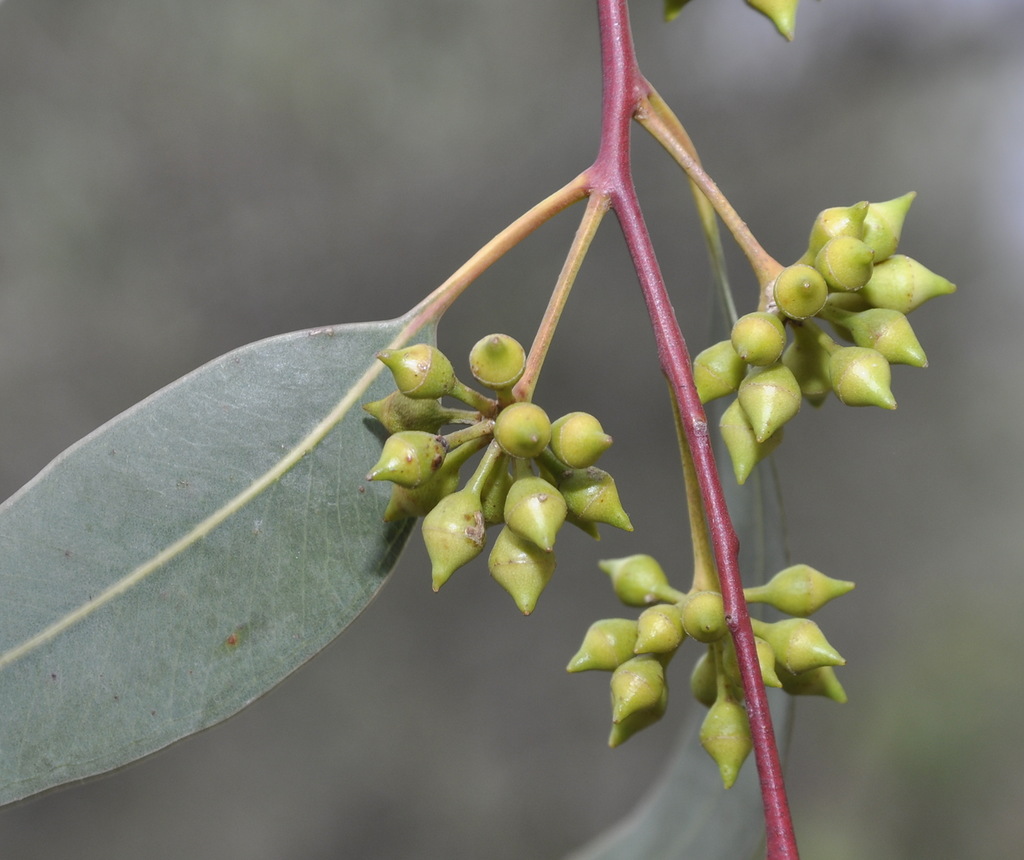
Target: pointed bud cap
[(704, 616), (814, 682), (782, 13), (798, 590), (522, 429), (638, 580), (799, 644), (704, 680), (770, 396), (521, 568), (409, 458), (637, 685), (884, 223), (420, 371), (535, 510), (800, 291), (454, 533), (497, 361), (607, 644), (861, 377), (758, 338), (638, 720), (890, 333), (846, 263), (718, 371), (808, 362), (591, 496), (837, 221), (659, 630), (578, 440), (904, 285), (744, 449), (725, 736)]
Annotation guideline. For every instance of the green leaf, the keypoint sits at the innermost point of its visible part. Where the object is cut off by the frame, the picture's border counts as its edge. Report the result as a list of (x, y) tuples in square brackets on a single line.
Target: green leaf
[(184, 558), (688, 813)]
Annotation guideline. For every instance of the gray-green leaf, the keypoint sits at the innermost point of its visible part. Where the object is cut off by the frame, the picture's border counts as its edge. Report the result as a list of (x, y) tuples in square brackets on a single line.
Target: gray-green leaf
[(185, 557)]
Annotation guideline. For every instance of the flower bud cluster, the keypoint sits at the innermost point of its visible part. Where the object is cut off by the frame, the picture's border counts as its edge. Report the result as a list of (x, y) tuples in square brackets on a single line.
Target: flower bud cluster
[(851, 278), (793, 653), (534, 476)]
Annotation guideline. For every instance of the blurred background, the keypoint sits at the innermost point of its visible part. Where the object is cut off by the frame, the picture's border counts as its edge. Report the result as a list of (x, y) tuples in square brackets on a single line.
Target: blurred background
[(180, 179)]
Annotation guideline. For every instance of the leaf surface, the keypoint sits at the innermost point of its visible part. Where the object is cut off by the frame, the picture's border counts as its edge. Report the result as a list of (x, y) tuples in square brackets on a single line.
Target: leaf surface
[(688, 813), (184, 558)]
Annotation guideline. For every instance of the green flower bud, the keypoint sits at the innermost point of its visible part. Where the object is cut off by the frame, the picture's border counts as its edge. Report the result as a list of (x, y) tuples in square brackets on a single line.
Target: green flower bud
[(861, 377), (904, 284), (521, 568), (497, 361), (495, 492), (765, 660), (607, 644), (882, 329), (725, 736), (399, 412), (637, 685), (718, 371), (798, 643), (578, 440), (421, 371), (638, 580), (419, 501), (637, 720), (837, 221), (759, 338), (814, 682), (454, 533), (846, 263), (798, 590), (535, 510), (659, 630), (884, 223), (770, 396), (591, 496), (782, 13), (800, 291), (409, 458), (522, 429), (704, 680), (744, 449), (703, 616), (808, 362)]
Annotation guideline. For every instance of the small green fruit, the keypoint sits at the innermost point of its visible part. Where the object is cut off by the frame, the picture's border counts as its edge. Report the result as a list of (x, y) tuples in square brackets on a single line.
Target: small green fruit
[(522, 429), (799, 644), (717, 371), (535, 510), (591, 496), (637, 685), (638, 580), (861, 377), (770, 396), (884, 223), (409, 458), (607, 644), (521, 568), (800, 291), (703, 615), (798, 590), (741, 442), (725, 736), (904, 285), (578, 440), (497, 361), (759, 338), (421, 371), (659, 629), (846, 263), (454, 533), (890, 333)]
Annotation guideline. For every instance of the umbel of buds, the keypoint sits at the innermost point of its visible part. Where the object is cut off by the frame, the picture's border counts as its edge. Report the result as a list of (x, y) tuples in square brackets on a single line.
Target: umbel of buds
[(851, 278), (793, 653), (534, 475)]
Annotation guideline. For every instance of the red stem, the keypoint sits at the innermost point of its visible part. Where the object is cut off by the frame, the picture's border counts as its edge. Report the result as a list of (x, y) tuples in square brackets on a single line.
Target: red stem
[(624, 88)]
